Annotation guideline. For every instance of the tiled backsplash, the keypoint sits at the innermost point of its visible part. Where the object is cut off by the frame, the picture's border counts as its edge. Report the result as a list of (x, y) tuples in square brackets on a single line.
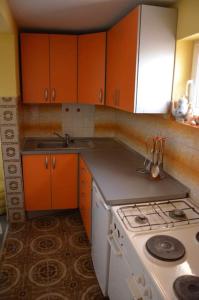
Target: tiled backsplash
[(44, 120), (40, 120), (78, 120), (74, 119), (181, 159), (105, 121)]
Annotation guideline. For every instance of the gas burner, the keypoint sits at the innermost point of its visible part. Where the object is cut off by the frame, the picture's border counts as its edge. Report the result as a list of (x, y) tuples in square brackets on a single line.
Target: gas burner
[(187, 287), (178, 214), (141, 219), (165, 247), (197, 236)]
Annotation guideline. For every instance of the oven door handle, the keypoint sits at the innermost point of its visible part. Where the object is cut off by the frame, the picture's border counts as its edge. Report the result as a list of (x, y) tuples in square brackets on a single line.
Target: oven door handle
[(113, 245), (133, 288)]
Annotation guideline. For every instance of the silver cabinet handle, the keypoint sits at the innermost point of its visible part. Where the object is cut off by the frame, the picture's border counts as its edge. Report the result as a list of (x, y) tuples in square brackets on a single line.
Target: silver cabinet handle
[(54, 162), (46, 94), (53, 94), (100, 96), (46, 162)]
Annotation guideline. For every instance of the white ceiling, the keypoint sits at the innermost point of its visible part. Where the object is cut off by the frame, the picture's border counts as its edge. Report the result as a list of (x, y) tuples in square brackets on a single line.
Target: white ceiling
[(73, 15)]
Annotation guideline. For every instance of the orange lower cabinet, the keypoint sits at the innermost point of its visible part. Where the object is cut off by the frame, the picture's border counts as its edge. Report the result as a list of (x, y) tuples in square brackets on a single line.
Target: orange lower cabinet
[(85, 182), (64, 181), (36, 174)]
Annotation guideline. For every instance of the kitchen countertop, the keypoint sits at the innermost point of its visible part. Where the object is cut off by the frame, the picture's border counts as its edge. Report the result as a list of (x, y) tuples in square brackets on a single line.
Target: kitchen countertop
[(113, 167)]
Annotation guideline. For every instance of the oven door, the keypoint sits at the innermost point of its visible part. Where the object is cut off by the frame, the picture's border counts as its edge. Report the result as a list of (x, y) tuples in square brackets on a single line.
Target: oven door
[(120, 275)]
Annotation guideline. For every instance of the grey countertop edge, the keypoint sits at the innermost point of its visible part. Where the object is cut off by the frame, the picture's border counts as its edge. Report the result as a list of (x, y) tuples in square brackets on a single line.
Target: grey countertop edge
[(57, 151), (143, 200)]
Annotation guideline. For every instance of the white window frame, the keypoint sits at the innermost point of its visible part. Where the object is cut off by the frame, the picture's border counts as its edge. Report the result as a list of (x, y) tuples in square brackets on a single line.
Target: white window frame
[(195, 77)]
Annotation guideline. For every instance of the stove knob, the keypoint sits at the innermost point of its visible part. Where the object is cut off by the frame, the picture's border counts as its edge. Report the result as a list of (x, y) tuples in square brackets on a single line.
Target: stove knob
[(147, 293), (141, 280)]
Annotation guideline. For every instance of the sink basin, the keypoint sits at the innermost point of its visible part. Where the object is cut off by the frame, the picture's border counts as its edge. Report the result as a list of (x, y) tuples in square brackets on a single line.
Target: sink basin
[(52, 144)]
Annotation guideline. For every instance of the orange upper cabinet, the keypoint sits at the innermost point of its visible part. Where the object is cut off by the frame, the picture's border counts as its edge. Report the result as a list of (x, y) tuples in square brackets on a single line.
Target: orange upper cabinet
[(36, 175), (63, 68), (64, 181), (49, 68), (121, 62), (140, 60), (91, 68), (35, 68)]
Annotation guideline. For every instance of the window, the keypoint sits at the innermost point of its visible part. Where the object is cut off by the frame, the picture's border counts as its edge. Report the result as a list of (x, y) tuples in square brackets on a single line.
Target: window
[(195, 77)]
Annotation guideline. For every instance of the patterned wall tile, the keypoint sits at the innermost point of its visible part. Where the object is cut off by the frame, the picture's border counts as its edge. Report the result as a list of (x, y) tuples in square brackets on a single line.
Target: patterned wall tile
[(8, 115), (8, 101), (15, 200), (12, 169), (13, 185), (16, 215), (9, 134), (11, 158), (10, 151)]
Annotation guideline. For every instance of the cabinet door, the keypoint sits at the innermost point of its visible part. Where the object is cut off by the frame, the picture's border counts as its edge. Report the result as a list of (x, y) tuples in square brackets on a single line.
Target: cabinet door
[(121, 62), (35, 68), (64, 181), (156, 59), (91, 68), (63, 68), (112, 78), (85, 182), (37, 189)]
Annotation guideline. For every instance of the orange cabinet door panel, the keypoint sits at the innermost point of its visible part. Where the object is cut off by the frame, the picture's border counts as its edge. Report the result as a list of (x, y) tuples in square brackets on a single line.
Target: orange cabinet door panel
[(91, 68), (128, 60), (85, 182), (63, 68), (36, 174), (87, 215), (112, 78), (64, 181), (35, 68), (121, 62)]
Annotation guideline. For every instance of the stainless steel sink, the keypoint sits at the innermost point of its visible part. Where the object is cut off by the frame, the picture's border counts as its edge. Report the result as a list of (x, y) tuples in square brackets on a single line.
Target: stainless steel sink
[(52, 145), (58, 144)]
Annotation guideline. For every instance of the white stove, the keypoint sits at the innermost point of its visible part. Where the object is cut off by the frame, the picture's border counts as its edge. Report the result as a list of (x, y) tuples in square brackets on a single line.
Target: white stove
[(158, 242)]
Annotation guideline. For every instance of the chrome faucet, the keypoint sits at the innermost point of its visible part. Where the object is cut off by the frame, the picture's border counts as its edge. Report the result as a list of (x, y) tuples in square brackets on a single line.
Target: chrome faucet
[(66, 137)]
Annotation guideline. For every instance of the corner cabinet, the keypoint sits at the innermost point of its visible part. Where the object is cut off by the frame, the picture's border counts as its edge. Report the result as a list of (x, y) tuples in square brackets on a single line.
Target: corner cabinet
[(85, 185), (91, 68), (50, 181), (140, 60), (49, 68)]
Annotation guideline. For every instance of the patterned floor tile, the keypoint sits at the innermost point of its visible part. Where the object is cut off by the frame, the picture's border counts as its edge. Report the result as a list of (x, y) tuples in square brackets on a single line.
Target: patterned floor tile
[(48, 258)]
